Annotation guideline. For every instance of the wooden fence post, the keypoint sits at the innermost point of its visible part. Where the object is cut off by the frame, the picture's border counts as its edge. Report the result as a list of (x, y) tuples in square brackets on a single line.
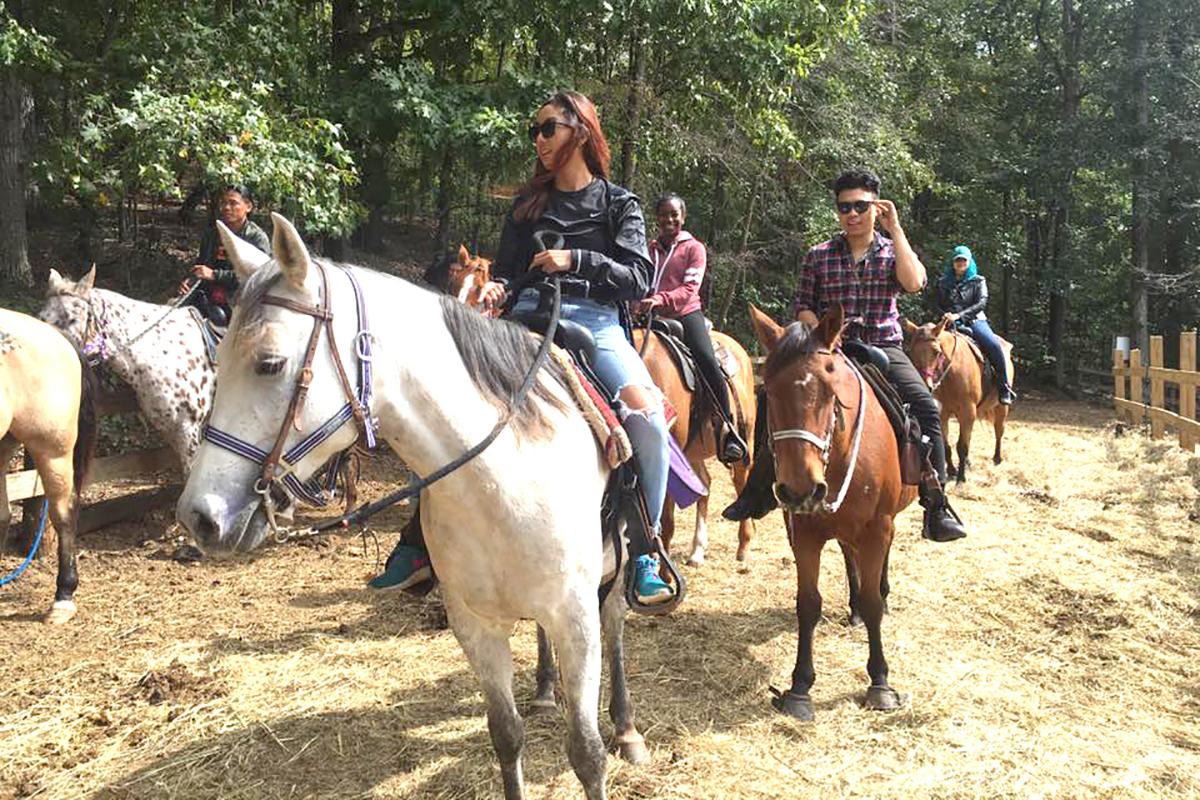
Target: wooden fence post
[(1156, 386), (1118, 370), (1187, 388), (1135, 384)]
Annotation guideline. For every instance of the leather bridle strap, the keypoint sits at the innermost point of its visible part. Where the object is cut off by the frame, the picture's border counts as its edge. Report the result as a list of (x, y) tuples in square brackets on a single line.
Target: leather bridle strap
[(949, 362)]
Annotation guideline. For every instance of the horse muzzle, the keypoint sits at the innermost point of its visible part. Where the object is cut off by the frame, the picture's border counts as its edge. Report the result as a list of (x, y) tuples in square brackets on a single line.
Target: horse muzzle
[(810, 502), (219, 530)]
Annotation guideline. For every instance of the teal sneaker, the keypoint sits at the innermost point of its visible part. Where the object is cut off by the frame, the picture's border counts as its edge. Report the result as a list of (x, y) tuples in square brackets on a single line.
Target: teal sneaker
[(651, 589), (406, 566)]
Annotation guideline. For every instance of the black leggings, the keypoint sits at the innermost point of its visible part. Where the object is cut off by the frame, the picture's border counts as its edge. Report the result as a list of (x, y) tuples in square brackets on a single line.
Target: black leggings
[(695, 336)]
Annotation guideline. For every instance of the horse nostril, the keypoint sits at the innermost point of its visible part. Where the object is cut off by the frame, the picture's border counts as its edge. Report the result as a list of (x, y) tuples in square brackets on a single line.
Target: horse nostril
[(206, 529), (786, 496), (819, 491)]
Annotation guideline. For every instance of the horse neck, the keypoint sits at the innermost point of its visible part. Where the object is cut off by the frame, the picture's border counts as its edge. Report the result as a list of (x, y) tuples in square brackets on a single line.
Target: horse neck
[(429, 409), (122, 319)]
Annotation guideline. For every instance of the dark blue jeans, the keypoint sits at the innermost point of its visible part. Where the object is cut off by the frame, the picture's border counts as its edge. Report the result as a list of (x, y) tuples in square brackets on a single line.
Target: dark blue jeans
[(989, 343)]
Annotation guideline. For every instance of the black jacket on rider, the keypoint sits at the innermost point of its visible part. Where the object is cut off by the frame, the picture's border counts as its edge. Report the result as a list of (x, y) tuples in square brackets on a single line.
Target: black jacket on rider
[(967, 298)]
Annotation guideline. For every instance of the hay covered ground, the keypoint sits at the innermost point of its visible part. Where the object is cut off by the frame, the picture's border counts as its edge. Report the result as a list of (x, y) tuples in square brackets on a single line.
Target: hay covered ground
[(1053, 653)]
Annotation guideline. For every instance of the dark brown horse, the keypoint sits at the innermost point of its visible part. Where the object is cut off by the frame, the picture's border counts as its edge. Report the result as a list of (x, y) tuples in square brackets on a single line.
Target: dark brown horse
[(694, 433), (954, 370), (837, 470)]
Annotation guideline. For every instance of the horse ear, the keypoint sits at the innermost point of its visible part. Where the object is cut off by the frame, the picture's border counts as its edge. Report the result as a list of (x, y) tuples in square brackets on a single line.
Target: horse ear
[(464, 256), (245, 257), (55, 283), (87, 281), (910, 327), (768, 331), (829, 329), (290, 252), (939, 329)]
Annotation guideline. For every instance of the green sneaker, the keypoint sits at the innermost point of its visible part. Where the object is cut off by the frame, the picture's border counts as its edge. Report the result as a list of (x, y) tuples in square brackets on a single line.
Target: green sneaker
[(651, 589), (406, 566)]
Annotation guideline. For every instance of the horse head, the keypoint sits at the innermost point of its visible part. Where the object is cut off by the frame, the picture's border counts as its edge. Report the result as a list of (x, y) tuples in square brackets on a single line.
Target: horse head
[(279, 383), (930, 347), (468, 275), (809, 386), (69, 308)]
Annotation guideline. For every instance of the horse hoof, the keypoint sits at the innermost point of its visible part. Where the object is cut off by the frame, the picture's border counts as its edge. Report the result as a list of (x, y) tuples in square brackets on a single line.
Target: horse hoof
[(696, 558), (996, 460), (798, 706), (855, 620), (63, 611), (634, 750), (884, 698), (541, 707), (743, 555)]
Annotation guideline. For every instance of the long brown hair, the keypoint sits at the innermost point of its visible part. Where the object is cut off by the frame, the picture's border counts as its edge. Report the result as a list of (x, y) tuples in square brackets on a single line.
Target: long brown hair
[(585, 133)]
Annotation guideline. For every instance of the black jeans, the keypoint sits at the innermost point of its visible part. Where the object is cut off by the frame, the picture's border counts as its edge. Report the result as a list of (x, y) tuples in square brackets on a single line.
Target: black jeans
[(912, 390), (695, 336)]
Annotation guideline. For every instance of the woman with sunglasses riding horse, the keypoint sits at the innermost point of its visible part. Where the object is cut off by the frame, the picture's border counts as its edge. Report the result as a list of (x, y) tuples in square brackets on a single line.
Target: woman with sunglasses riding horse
[(962, 297), (570, 221), (864, 273)]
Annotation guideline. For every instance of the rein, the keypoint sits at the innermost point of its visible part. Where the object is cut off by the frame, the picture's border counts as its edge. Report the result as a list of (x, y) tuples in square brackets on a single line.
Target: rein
[(945, 362), (825, 445), (96, 349)]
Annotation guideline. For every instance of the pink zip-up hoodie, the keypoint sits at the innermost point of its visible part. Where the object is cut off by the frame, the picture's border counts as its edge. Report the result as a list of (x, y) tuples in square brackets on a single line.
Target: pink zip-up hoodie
[(678, 271)]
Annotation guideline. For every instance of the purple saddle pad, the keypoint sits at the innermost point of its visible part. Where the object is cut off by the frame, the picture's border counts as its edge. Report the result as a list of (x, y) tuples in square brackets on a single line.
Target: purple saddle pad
[(683, 484)]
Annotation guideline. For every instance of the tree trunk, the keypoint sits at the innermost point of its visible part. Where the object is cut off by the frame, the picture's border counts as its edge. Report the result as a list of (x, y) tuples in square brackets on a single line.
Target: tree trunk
[(633, 110), (1140, 229), (445, 197), (15, 105)]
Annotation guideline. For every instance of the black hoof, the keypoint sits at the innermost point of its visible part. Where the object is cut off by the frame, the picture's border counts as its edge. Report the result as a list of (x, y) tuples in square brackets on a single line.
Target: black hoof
[(797, 706), (996, 459), (884, 698)]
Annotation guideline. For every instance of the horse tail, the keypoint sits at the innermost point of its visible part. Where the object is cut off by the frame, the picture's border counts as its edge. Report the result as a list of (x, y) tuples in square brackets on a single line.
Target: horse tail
[(88, 426)]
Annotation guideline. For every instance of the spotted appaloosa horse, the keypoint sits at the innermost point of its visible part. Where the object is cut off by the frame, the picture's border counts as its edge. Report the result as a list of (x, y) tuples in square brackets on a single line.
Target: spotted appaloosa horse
[(47, 404), (953, 367)]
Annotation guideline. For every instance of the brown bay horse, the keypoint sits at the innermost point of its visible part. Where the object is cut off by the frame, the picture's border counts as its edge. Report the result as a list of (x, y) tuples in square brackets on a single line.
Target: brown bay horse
[(47, 404), (837, 469), (953, 367), (693, 429)]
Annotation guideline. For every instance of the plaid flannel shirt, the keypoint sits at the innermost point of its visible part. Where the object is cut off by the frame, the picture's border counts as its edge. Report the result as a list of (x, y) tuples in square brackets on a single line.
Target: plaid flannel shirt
[(867, 290)]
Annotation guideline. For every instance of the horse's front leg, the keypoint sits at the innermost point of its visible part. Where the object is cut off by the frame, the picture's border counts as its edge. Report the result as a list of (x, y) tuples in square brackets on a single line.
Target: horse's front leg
[(872, 555), (630, 744), (741, 474), (999, 418), (966, 423), (796, 702), (700, 534), (945, 415)]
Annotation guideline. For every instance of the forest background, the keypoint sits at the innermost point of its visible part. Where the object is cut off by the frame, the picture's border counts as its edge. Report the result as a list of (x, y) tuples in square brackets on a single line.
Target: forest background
[(1057, 138)]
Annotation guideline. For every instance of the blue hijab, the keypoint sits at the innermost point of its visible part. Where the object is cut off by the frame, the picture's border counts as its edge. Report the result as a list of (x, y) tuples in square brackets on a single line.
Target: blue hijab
[(962, 251)]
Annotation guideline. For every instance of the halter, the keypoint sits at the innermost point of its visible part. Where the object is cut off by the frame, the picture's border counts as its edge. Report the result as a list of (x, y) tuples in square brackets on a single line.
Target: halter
[(825, 445), (278, 467), (943, 362)]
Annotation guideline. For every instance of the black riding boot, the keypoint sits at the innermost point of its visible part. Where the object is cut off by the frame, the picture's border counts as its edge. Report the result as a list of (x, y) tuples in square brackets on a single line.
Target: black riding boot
[(758, 497), (941, 523)]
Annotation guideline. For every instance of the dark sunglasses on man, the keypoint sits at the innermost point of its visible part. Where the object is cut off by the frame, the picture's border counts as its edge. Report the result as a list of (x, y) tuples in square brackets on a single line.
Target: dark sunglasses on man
[(860, 206), (547, 129)]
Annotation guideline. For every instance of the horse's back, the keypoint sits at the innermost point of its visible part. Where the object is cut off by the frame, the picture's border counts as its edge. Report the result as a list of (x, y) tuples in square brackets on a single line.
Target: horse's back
[(39, 375)]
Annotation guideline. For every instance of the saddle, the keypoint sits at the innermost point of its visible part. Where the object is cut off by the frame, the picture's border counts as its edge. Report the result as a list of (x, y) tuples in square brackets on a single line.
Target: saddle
[(913, 451), (670, 334), (985, 364)]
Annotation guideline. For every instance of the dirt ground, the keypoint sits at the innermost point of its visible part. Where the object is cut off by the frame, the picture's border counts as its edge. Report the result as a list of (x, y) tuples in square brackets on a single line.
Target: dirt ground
[(1051, 654)]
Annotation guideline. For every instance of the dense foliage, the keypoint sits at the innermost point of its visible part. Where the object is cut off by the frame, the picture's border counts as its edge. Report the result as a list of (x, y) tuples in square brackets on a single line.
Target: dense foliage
[(1054, 137)]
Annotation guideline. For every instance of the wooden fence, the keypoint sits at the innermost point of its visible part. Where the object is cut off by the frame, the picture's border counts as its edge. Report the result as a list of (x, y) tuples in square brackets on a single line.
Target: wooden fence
[(1129, 379)]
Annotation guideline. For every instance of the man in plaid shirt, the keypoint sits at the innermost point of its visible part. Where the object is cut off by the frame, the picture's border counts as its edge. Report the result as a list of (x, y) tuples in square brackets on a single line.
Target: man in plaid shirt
[(865, 273)]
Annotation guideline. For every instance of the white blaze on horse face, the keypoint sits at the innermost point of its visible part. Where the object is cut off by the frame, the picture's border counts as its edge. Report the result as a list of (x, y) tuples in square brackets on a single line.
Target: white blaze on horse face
[(807, 379), (245, 257), (464, 294)]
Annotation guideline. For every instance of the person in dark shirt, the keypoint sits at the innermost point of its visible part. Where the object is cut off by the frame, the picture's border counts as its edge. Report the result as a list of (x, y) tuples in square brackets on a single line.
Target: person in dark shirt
[(218, 281), (962, 297), (570, 220)]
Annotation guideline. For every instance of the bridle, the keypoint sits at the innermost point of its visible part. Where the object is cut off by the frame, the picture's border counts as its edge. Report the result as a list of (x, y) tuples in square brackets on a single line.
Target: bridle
[(943, 363), (278, 467), (824, 444), (97, 345)]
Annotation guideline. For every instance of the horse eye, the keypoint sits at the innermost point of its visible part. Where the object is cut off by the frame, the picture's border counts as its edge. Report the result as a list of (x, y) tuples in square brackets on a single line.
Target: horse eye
[(270, 365), (829, 368)]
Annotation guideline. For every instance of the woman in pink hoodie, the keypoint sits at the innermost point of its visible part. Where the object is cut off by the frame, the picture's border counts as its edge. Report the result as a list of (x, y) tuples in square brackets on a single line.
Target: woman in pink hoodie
[(679, 263)]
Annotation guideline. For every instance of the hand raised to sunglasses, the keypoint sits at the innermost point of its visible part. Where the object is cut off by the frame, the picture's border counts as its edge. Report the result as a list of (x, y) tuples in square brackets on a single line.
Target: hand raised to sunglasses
[(550, 261), (888, 217)]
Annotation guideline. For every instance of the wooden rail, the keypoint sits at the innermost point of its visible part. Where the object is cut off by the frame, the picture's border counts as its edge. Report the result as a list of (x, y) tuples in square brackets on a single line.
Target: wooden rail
[(1128, 380)]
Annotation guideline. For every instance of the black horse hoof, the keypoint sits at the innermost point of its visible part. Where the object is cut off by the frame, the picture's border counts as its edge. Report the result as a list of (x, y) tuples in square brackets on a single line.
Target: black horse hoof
[(884, 698), (798, 706)]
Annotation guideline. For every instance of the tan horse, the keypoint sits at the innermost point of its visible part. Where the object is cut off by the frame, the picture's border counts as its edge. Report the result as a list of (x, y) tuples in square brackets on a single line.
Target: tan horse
[(693, 431), (953, 368), (832, 441), (467, 277), (47, 404)]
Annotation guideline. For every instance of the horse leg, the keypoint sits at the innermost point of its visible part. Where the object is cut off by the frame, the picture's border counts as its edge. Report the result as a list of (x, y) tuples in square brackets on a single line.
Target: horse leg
[(630, 744), (872, 556), (966, 423), (576, 636), (547, 674), (488, 652), (700, 535), (666, 527), (999, 417), (741, 473), (57, 474), (852, 583), (796, 702), (351, 471), (946, 441), (8, 446), (885, 588)]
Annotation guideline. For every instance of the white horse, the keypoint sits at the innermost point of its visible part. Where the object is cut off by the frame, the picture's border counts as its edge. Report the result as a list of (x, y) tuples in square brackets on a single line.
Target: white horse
[(529, 546), (158, 351)]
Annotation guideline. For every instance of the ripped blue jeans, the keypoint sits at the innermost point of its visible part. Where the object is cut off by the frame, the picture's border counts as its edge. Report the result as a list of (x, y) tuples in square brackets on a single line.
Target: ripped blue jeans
[(618, 365)]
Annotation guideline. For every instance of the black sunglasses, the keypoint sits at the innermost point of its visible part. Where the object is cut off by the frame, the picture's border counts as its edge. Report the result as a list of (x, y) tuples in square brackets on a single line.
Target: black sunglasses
[(860, 206), (547, 129)]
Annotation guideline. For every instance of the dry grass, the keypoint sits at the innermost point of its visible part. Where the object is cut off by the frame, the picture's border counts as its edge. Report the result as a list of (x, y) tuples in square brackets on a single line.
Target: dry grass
[(1053, 653)]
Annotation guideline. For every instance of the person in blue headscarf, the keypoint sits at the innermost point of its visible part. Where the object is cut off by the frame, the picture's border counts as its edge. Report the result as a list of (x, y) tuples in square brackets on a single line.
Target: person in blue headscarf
[(962, 296)]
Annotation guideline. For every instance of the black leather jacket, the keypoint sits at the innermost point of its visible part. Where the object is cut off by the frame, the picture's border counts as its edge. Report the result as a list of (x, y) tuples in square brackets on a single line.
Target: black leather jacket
[(966, 298), (620, 274)]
